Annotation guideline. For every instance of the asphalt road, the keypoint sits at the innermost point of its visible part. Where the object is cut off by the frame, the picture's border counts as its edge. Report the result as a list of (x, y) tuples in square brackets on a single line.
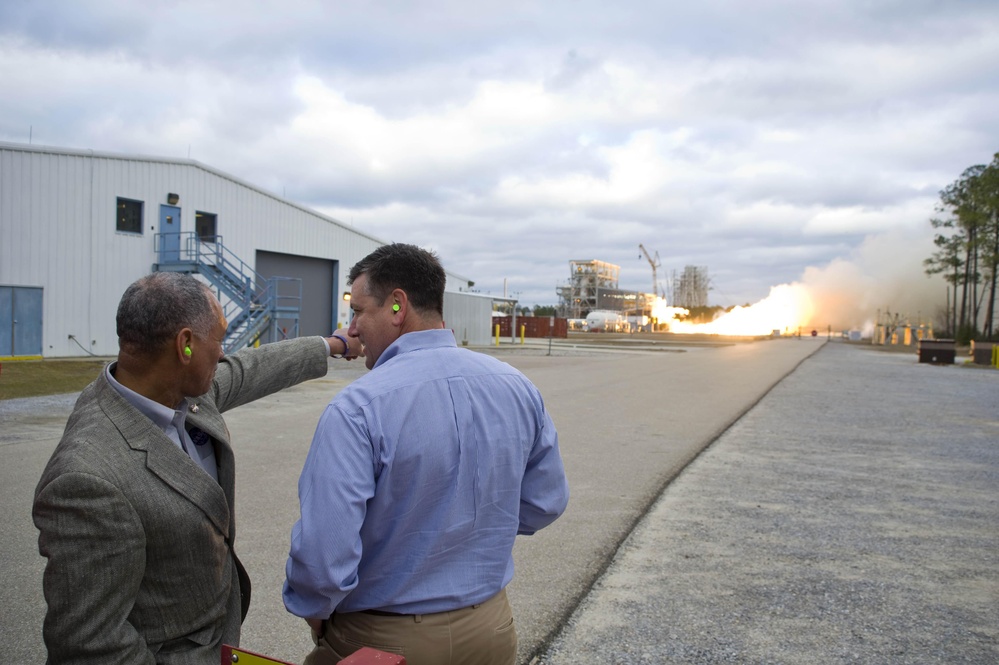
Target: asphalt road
[(851, 517), (629, 420)]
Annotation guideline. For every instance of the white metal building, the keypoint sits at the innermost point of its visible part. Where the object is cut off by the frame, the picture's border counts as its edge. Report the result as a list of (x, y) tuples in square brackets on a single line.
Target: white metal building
[(78, 226)]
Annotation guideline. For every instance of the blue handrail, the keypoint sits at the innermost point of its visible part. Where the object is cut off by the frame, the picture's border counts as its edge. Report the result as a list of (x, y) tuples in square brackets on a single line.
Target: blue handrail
[(251, 302)]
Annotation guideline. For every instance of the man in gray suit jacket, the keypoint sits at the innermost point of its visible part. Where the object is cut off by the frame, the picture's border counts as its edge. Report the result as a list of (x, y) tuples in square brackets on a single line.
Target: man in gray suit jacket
[(135, 507)]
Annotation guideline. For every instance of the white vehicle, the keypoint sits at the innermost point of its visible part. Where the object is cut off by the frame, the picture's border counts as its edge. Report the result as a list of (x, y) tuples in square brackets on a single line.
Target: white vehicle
[(603, 320)]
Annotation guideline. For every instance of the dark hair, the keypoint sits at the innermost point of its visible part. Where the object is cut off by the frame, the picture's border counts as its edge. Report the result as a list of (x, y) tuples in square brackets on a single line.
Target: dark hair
[(416, 271), (156, 307)]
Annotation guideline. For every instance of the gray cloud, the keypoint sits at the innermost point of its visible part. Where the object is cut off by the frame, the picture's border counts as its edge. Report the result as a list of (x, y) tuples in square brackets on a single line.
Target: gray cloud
[(764, 140)]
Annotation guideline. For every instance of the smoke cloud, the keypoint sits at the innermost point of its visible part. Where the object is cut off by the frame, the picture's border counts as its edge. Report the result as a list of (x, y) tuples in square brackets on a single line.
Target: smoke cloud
[(884, 277), (884, 274)]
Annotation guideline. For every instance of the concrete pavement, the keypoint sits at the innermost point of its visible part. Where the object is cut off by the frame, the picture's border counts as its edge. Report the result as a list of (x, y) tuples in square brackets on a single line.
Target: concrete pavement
[(852, 516), (628, 422)]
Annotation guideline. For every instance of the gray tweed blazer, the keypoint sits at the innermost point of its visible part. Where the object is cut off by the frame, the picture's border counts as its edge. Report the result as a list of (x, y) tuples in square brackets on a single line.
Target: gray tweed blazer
[(139, 538)]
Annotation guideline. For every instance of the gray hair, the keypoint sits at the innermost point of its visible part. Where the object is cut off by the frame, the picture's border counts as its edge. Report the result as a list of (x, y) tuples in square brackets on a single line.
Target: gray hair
[(156, 307)]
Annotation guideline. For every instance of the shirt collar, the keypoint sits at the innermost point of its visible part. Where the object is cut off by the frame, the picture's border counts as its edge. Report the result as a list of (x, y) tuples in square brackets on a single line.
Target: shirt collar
[(162, 416), (417, 341)]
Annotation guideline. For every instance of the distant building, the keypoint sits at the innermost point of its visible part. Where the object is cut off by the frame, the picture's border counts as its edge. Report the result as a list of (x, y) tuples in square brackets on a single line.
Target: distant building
[(78, 226), (691, 288), (593, 285)]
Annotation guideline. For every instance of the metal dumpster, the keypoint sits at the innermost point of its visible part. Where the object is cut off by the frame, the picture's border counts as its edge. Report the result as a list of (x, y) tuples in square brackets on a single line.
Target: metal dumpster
[(981, 352), (937, 351)]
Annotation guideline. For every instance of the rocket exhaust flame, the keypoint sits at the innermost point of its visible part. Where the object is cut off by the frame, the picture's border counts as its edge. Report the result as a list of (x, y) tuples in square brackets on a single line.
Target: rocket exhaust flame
[(885, 273), (787, 308)]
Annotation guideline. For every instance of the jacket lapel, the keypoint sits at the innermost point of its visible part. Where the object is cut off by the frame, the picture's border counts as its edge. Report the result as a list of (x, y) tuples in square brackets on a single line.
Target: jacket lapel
[(164, 459), (212, 424)]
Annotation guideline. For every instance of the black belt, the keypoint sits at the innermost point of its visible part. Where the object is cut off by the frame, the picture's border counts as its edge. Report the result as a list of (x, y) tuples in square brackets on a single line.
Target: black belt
[(383, 613)]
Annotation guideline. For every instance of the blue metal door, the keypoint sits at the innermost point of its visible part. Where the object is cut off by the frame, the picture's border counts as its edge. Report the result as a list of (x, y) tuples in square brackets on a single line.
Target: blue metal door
[(27, 322), (169, 234), (20, 321), (6, 321)]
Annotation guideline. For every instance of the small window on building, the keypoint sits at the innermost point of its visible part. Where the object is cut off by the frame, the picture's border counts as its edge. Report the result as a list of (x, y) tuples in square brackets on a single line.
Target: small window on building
[(204, 225), (129, 216)]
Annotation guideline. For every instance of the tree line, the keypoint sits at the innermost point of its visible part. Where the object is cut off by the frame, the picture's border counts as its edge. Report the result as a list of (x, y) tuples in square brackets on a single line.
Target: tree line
[(967, 254)]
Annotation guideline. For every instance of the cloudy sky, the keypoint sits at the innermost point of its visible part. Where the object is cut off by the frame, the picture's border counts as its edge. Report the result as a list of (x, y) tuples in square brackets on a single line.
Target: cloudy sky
[(771, 141)]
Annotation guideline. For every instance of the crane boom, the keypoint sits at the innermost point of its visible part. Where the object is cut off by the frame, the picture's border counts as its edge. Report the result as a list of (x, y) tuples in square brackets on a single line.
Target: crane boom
[(655, 266)]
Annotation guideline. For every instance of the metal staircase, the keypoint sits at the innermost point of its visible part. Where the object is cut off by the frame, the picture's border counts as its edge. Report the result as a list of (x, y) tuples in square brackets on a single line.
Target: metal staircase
[(253, 305)]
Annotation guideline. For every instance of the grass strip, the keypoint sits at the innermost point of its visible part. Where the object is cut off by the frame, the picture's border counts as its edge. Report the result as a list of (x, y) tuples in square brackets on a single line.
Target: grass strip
[(34, 378)]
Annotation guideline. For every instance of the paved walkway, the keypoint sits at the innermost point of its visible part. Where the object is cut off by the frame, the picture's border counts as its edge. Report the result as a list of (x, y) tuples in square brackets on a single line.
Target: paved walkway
[(851, 517), (863, 484), (628, 422)]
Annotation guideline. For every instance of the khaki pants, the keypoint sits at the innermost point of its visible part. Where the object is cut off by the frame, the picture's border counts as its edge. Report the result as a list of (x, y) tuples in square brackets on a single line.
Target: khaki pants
[(478, 635)]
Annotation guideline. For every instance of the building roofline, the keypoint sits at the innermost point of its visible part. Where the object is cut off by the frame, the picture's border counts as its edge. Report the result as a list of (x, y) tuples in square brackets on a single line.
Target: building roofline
[(87, 152)]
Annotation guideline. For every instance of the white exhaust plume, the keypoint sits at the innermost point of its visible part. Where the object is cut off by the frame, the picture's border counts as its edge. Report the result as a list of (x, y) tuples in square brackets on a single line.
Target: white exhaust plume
[(885, 274)]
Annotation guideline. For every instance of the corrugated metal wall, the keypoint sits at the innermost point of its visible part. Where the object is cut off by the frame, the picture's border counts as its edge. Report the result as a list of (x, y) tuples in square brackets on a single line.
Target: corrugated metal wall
[(470, 317), (57, 232)]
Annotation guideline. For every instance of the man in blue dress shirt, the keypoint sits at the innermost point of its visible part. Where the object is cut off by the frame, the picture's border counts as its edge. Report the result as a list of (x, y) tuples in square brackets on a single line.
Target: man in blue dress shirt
[(420, 476)]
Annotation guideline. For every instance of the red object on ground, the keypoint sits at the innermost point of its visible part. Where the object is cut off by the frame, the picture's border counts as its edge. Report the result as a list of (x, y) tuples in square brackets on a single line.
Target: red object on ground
[(369, 656)]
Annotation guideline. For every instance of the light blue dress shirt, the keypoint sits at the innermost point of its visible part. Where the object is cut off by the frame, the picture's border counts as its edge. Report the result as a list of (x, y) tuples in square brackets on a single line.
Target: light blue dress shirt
[(420, 475)]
